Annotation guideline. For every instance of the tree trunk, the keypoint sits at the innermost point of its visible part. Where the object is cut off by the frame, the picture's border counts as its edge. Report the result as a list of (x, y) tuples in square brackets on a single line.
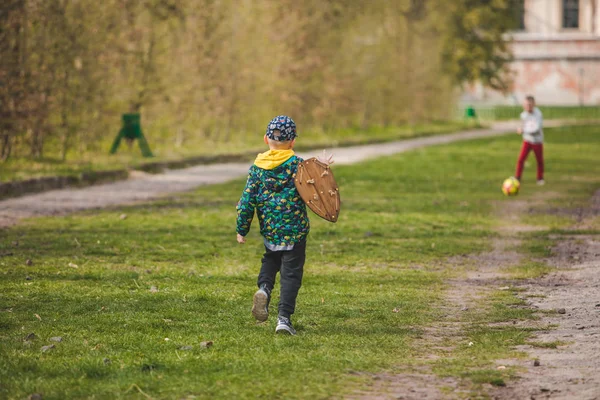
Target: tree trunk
[(37, 141), (6, 146), (65, 142), (66, 131)]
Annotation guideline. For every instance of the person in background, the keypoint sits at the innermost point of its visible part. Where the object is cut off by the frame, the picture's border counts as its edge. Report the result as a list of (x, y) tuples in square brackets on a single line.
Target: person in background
[(533, 138)]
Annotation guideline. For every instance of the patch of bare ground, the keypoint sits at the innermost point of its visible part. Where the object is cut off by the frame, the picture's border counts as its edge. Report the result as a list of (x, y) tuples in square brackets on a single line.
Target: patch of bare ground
[(571, 298), (415, 385)]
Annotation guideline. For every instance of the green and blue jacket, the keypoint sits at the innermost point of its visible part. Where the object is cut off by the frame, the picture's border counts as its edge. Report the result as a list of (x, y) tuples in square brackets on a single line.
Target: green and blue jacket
[(271, 193)]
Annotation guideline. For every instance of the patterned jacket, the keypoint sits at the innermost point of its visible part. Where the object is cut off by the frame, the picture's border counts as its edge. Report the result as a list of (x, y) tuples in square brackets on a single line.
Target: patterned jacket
[(281, 212)]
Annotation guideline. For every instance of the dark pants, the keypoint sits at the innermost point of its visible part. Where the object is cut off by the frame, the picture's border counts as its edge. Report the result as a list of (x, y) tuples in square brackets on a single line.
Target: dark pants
[(291, 266)]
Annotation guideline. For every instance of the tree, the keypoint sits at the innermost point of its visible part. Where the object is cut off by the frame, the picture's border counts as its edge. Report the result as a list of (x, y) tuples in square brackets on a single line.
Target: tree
[(13, 105), (212, 68), (474, 44)]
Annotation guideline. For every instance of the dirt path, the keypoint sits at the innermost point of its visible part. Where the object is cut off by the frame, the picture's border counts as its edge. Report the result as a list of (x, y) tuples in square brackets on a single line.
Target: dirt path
[(571, 371), (571, 295), (481, 274), (145, 187)]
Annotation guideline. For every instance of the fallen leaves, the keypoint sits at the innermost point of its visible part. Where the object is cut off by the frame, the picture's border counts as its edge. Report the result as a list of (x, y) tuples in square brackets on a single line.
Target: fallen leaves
[(56, 339), (28, 262), (71, 265), (153, 289), (206, 344), (38, 317)]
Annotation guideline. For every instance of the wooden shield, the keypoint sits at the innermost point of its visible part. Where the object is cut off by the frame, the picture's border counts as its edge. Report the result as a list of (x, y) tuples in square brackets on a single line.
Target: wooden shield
[(316, 185)]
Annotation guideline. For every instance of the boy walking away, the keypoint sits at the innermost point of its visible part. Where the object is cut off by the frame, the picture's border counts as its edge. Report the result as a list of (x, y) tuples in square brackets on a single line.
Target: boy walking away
[(284, 225), (533, 138)]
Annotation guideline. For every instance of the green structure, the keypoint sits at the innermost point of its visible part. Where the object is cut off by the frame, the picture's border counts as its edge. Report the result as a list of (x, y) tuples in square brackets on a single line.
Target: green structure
[(470, 113), (132, 130)]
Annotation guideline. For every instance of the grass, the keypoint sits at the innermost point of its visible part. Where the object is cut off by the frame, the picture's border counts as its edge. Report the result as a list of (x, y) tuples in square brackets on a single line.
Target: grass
[(546, 345), (550, 112), (92, 277), (489, 336), (167, 147), (578, 178), (529, 270)]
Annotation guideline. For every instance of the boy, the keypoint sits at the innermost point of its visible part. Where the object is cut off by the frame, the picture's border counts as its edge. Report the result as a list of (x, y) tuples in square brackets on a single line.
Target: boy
[(284, 225), (533, 138)]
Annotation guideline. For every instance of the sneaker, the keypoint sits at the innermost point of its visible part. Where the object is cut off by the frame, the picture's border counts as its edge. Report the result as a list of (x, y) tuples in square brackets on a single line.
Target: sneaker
[(260, 304), (284, 325), (541, 182)]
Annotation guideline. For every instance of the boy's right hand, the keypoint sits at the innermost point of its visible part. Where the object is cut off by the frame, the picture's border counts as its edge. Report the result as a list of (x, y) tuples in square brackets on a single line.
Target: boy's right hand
[(241, 239), (326, 158), (519, 130)]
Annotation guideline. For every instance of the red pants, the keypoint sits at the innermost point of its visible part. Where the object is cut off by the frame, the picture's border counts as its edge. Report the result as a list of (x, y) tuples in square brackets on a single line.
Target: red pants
[(538, 149)]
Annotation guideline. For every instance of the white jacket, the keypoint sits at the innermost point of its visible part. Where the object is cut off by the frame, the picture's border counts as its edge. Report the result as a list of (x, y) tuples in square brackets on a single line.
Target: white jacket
[(532, 126)]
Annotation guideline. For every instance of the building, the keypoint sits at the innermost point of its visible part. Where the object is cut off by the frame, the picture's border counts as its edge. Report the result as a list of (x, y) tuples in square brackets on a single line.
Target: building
[(556, 55)]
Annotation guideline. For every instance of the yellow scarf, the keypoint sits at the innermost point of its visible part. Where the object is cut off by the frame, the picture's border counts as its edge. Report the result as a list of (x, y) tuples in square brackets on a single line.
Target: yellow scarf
[(273, 158)]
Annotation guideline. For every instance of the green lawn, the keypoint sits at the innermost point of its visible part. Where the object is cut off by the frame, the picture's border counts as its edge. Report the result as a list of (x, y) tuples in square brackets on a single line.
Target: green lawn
[(402, 216), (168, 147), (549, 112)]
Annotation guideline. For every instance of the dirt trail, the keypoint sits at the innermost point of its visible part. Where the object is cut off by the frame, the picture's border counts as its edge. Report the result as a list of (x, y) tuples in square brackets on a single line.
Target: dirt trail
[(482, 274), (570, 372), (572, 296), (145, 187)]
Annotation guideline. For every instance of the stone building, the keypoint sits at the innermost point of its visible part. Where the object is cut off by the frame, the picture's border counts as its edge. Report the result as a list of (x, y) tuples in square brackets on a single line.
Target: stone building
[(556, 55)]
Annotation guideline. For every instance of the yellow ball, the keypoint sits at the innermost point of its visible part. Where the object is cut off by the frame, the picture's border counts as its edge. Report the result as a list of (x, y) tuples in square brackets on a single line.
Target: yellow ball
[(511, 186)]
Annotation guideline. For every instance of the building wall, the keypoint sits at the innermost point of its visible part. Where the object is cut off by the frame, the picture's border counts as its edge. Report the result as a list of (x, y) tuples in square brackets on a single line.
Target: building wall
[(558, 82), (558, 66)]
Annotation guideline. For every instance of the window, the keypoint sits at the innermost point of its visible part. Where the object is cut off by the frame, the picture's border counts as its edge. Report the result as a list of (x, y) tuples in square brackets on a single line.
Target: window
[(570, 14), (521, 14)]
